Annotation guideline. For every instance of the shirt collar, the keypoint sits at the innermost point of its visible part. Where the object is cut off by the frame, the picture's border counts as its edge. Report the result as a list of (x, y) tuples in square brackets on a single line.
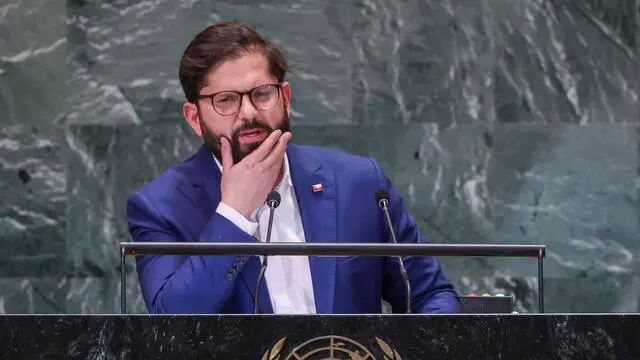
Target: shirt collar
[(286, 177)]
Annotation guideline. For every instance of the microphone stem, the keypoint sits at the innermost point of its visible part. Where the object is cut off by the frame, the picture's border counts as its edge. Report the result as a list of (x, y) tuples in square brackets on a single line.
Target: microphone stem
[(389, 223), (403, 271), (263, 268), (271, 210)]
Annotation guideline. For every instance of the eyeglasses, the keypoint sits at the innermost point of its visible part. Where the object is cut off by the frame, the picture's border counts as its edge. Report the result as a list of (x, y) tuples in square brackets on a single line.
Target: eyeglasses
[(263, 97)]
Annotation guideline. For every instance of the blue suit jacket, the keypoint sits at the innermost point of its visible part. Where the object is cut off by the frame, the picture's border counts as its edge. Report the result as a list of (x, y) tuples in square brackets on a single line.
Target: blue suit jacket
[(180, 204)]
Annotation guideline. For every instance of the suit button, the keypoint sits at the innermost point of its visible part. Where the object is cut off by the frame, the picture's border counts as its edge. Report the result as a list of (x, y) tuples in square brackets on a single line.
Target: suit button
[(229, 276)]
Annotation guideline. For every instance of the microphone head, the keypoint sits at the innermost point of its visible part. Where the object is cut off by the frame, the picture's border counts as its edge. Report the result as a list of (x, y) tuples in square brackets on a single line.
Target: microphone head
[(382, 195), (273, 199)]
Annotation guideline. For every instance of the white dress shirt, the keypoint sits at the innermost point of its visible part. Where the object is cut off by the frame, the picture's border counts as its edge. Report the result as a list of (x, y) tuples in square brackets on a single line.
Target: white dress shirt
[(288, 278)]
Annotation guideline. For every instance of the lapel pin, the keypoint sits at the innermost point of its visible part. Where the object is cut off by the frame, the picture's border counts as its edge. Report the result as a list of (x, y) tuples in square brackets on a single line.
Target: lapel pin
[(316, 187)]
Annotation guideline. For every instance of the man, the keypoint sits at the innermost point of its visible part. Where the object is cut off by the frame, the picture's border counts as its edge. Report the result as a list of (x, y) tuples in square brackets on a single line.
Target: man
[(239, 103)]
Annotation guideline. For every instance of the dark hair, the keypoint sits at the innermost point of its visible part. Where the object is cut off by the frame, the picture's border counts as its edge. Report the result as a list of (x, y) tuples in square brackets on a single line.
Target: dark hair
[(221, 42)]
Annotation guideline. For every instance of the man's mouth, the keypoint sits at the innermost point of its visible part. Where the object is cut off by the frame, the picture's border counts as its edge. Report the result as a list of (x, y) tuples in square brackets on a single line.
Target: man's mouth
[(252, 135)]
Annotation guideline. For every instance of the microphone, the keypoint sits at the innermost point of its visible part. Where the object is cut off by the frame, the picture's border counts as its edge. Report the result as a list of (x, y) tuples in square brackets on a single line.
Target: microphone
[(382, 197), (273, 201)]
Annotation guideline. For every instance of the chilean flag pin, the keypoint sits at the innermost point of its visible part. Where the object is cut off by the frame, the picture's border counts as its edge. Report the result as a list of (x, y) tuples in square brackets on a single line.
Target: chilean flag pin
[(316, 188)]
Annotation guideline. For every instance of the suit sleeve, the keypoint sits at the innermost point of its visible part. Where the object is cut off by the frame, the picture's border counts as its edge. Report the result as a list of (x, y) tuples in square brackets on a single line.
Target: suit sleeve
[(183, 284), (431, 291)]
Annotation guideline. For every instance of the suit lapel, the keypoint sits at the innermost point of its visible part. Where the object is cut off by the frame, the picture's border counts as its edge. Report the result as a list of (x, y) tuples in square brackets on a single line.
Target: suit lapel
[(319, 215), (204, 193)]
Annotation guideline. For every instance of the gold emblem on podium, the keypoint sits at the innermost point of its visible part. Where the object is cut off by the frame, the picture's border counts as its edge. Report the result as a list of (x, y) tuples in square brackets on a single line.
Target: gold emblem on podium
[(330, 347)]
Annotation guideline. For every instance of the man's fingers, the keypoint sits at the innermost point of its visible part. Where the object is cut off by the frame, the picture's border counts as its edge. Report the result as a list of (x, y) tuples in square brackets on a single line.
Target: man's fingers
[(227, 157), (265, 148), (278, 151)]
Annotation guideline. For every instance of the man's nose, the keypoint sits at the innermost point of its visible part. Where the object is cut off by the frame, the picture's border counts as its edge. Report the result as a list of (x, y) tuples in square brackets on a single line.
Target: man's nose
[(247, 110)]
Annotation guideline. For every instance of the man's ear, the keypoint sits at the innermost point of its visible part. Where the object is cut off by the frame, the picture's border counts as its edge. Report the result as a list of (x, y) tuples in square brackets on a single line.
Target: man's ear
[(286, 94), (192, 115)]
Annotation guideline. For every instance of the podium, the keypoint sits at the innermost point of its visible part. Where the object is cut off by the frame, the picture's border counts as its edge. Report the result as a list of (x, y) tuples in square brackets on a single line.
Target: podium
[(486, 335), (371, 337)]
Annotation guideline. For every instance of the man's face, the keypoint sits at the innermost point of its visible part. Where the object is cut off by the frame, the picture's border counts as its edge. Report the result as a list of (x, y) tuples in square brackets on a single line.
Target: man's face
[(250, 125)]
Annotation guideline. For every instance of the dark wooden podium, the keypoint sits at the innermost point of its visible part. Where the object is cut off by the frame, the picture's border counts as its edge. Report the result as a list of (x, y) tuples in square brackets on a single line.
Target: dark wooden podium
[(281, 337)]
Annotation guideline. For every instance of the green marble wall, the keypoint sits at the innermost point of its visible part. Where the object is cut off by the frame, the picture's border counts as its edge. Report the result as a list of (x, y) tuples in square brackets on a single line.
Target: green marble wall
[(500, 122)]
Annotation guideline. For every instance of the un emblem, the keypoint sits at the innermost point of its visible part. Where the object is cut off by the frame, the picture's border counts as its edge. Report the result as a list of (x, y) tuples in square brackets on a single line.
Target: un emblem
[(330, 347)]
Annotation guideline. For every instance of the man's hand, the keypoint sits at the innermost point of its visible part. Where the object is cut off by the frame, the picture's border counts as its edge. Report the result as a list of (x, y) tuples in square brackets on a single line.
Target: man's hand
[(245, 185)]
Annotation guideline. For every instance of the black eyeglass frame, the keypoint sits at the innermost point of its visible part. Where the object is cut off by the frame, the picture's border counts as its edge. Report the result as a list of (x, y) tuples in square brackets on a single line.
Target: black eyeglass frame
[(278, 87)]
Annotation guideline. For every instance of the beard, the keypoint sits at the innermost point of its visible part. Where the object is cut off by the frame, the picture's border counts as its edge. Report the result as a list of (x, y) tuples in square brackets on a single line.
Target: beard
[(239, 151)]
